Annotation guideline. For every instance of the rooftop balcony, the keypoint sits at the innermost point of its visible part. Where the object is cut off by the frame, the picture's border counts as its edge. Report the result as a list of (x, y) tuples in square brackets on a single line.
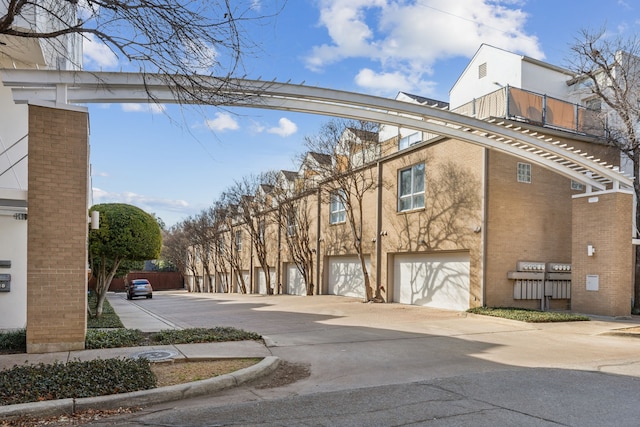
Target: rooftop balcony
[(541, 110)]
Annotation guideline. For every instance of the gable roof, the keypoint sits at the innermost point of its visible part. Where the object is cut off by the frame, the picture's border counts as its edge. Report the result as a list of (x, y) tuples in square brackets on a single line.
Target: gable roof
[(426, 101), (523, 58)]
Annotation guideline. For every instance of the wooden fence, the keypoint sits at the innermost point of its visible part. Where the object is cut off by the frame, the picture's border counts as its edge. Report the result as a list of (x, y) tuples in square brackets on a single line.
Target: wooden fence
[(160, 280)]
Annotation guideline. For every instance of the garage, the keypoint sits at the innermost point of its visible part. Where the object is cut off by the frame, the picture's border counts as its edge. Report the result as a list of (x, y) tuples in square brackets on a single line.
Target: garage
[(345, 276), (246, 276), (261, 281), (224, 282), (295, 280), (432, 280)]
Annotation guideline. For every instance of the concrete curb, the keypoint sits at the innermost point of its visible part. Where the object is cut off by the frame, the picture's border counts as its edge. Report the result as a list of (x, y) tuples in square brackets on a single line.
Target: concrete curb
[(143, 397)]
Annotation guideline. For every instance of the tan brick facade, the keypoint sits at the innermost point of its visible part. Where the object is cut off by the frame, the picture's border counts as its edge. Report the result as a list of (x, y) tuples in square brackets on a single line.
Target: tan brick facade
[(603, 221), (57, 229)]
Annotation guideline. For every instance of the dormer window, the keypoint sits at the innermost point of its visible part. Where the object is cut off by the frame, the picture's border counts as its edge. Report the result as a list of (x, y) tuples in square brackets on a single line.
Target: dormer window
[(594, 104)]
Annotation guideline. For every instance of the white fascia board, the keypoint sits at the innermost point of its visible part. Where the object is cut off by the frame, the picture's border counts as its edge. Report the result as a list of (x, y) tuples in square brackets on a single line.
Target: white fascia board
[(13, 194)]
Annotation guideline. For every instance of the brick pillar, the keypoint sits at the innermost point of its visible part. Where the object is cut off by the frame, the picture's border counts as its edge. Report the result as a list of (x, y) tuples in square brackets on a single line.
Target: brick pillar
[(57, 229), (602, 283)]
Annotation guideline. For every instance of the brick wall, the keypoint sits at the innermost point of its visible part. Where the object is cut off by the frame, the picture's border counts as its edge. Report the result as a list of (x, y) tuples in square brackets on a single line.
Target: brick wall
[(525, 222), (57, 229), (603, 220)]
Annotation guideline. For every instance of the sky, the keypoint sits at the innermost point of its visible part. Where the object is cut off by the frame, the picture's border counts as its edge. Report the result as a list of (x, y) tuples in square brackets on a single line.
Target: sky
[(174, 162)]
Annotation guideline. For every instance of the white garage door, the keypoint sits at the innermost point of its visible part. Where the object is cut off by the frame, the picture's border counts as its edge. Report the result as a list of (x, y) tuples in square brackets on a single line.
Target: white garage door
[(295, 281), (237, 286), (224, 282), (262, 282), (346, 278), (433, 280)]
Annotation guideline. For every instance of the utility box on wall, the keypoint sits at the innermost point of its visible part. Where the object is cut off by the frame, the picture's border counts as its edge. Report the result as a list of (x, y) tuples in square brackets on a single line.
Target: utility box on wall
[(5, 282)]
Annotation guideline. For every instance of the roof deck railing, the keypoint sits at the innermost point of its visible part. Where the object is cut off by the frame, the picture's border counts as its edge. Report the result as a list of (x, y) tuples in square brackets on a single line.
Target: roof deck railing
[(541, 110)]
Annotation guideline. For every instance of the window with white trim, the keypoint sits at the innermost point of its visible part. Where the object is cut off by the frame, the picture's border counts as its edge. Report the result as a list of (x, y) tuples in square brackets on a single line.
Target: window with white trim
[(261, 227), (411, 188), (337, 211), (291, 223), (409, 140), (575, 185), (594, 104), (238, 241), (524, 172)]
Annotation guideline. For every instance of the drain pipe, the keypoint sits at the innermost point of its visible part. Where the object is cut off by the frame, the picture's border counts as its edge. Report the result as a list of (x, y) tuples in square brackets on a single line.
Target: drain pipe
[(318, 240), (378, 237)]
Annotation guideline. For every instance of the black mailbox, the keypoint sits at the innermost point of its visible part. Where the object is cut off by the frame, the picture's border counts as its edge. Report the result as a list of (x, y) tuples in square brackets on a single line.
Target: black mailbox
[(5, 282)]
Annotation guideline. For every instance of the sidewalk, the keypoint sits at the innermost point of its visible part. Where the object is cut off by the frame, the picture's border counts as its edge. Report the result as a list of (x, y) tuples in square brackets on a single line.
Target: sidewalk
[(135, 317)]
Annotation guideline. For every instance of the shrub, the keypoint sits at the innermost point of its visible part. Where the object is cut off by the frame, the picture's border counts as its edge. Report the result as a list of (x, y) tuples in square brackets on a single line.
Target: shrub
[(101, 338), (109, 318), (527, 315), (31, 383), (14, 341), (199, 335)]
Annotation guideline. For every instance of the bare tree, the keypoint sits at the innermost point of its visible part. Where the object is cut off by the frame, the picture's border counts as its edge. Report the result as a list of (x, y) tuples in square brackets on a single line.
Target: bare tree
[(452, 203), (229, 255), (175, 246), (202, 231), (608, 69), (351, 146), (193, 254), (253, 197), (294, 220), (183, 42)]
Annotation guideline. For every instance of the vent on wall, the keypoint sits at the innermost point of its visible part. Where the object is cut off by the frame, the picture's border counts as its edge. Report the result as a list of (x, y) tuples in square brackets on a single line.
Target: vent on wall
[(482, 70)]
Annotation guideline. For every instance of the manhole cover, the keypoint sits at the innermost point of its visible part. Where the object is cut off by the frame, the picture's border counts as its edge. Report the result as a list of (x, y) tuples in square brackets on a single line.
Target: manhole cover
[(155, 355)]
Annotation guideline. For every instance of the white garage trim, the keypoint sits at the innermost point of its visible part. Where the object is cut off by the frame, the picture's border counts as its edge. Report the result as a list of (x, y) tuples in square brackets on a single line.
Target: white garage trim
[(294, 280), (345, 276), (261, 281), (439, 280), (223, 282), (246, 275)]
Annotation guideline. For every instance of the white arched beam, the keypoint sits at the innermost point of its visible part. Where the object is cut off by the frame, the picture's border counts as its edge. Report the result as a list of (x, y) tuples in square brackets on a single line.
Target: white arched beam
[(62, 87)]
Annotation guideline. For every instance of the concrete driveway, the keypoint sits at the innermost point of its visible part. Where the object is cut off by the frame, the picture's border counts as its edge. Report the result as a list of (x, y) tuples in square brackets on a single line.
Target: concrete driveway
[(382, 357)]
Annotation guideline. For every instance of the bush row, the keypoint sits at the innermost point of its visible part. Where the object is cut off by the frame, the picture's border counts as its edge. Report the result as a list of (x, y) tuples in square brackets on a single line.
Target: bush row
[(32, 383)]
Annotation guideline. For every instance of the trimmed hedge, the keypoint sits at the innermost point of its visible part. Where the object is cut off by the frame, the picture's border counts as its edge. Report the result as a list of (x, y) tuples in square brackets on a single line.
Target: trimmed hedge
[(528, 315), (200, 335), (113, 338), (14, 341), (32, 383)]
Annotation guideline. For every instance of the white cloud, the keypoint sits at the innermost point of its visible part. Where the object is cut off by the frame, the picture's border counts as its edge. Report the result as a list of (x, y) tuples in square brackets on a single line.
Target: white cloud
[(97, 54), (285, 128), (146, 203), (222, 122), (409, 38), (199, 57), (391, 81), (143, 108)]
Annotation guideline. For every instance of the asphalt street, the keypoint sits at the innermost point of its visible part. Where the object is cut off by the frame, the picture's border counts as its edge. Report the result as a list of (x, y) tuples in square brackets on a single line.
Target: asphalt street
[(392, 364)]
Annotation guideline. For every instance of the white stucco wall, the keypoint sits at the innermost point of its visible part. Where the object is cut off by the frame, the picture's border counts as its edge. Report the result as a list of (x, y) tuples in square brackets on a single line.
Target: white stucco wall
[(507, 68), (503, 68), (545, 81), (13, 247), (13, 126), (13, 187)]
